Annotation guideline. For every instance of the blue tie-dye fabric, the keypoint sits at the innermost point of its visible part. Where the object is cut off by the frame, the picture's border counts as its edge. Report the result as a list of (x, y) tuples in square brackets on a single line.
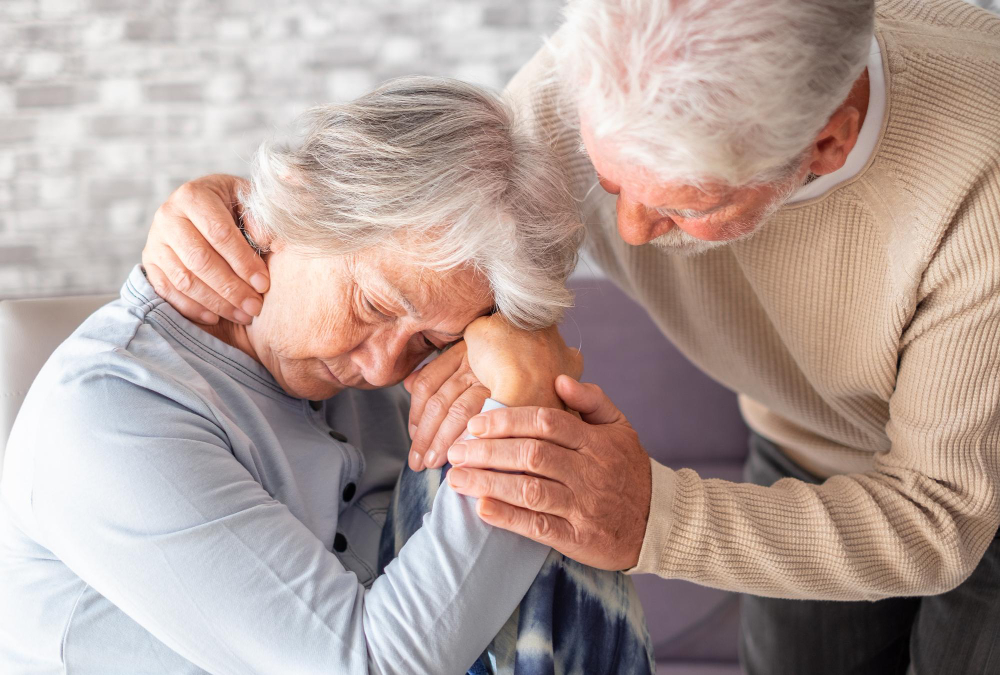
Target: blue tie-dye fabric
[(573, 619)]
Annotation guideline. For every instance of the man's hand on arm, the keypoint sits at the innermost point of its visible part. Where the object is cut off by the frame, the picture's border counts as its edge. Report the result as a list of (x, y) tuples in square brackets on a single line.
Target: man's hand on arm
[(196, 257), (585, 484)]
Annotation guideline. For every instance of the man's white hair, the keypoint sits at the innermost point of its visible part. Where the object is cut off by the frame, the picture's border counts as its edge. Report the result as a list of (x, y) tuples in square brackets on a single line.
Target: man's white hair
[(437, 171), (712, 91)]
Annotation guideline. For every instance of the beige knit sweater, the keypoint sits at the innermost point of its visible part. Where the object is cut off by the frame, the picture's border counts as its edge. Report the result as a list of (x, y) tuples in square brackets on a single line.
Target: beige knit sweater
[(861, 330)]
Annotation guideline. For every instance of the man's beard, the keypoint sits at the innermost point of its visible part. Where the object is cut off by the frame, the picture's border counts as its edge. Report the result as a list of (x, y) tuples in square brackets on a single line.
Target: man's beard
[(680, 242)]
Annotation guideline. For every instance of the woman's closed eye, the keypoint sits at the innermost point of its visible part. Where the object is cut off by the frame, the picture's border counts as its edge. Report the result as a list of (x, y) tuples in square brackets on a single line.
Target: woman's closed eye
[(374, 311)]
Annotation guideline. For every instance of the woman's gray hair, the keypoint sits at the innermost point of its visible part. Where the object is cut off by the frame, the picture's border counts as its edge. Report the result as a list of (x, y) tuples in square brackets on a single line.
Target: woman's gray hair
[(712, 91), (435, 170)]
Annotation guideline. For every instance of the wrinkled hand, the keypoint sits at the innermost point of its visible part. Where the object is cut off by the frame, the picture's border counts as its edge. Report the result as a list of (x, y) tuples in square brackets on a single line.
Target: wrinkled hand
[(444, 394), (514, 366), (518, 366), (196, 258), (586, 483)]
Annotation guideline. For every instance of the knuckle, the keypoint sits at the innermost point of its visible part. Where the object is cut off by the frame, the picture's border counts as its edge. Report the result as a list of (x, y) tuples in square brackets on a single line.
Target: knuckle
[(199, 259), (532, 455), (541, 526), (422, 387), (482, 482), (219, 232), (159, 215), (184, 281), (545, 420), (184, 193), (435, 406), (460, 412), (531, 493)]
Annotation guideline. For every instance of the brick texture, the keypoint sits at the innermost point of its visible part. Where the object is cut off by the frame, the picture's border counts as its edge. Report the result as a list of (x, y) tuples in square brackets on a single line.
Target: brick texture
[(106, 106)]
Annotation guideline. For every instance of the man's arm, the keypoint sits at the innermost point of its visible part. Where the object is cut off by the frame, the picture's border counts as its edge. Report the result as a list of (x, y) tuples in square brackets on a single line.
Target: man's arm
[(196, 257), (154, 512), (916, 525)]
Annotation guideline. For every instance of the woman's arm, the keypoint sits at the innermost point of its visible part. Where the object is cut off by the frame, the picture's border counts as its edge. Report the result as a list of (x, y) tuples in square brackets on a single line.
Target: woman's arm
[(142, 498)]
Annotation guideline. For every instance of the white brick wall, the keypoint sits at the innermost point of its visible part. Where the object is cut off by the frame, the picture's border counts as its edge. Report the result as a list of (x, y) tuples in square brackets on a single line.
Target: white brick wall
[(107, 105)]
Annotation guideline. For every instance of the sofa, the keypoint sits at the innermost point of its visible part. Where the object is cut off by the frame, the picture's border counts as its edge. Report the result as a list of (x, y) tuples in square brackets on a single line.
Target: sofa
[(683, 418)]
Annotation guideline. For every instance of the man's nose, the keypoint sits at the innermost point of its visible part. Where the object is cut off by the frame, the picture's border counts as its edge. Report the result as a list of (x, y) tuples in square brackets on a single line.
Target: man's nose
[(636, 226)]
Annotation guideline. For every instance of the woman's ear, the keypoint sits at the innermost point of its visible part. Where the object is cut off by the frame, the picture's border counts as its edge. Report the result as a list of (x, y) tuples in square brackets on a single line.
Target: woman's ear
[(256, 236)]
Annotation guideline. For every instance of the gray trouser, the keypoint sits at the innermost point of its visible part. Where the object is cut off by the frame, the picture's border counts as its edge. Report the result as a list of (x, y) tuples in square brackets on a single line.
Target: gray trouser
[(955, 633)]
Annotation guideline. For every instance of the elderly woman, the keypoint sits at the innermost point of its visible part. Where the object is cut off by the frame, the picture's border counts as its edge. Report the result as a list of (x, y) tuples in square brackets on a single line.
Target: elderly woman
[(183, 498)]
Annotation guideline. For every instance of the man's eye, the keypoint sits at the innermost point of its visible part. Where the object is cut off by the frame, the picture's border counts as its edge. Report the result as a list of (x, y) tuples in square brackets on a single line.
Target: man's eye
[(428, 343)]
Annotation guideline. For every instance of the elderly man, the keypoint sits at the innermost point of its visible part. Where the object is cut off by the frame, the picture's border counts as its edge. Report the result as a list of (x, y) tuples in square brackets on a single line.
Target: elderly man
[(836, 166)]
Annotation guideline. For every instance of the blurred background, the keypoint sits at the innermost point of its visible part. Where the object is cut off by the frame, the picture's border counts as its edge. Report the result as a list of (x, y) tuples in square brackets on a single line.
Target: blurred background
[(106, 106)]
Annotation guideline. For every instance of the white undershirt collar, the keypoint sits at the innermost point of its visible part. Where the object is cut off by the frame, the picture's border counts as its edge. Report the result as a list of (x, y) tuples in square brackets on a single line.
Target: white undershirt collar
[(867, 137)]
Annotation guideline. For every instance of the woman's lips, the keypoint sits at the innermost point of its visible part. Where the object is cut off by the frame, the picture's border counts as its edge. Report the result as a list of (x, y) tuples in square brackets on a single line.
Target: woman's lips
[(330, 375)]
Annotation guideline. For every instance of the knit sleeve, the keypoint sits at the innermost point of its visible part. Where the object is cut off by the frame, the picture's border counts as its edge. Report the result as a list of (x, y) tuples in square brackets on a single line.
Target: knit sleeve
[(920, 521)]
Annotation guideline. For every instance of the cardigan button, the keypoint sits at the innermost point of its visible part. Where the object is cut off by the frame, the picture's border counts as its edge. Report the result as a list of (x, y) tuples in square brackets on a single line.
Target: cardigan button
[(340, 543), (337, 436), (349, 491)]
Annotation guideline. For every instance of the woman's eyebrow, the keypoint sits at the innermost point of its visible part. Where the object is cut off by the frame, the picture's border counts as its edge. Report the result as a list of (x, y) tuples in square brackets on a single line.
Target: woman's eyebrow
[(404, 302)]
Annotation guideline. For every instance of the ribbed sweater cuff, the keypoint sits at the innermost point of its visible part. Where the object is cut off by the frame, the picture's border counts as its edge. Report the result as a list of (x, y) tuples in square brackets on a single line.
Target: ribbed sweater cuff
[(661, 518)]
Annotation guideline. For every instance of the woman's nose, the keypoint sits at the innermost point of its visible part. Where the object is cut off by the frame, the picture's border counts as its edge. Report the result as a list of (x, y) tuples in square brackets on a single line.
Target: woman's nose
[(379, 369), (380, 363), (636, 226)]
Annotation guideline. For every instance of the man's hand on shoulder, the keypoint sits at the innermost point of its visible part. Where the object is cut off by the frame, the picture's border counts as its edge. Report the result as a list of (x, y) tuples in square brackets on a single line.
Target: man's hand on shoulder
[(196, 257)]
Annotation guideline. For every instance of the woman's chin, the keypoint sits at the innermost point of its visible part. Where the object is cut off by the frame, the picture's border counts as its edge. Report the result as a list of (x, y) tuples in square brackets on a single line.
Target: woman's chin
[(316, 390)]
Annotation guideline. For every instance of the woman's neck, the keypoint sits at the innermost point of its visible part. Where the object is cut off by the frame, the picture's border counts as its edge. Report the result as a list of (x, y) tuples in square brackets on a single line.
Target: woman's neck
[(233, 334)]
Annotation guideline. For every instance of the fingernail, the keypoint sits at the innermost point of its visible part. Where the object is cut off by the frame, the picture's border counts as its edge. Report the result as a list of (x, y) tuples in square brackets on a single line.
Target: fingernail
[(486, 507), (430, 457), (207, 317), (458, 478), (414, 459), (456, 455), (477, 425), (242, 317), (413, 430), (252, 306), (259, 282)]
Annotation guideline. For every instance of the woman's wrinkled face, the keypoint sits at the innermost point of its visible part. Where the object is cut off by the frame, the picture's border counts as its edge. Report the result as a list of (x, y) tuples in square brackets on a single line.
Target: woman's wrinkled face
[(362, 320)]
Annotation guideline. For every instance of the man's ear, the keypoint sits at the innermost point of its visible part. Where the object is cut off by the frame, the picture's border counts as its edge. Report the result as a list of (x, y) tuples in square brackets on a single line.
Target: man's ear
[(835, 141)]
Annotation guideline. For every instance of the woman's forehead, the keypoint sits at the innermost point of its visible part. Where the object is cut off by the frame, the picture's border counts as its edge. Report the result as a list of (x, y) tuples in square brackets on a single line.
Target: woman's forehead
[(427, 294)]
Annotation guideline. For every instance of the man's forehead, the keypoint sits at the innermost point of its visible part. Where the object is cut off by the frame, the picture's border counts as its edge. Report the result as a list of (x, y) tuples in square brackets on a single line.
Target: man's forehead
[(639, 183)]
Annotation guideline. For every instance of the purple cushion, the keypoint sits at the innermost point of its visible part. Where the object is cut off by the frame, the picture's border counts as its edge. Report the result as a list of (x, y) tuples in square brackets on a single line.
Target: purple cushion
[(680, 413), (696, 668), (688, 622), (684, 419)]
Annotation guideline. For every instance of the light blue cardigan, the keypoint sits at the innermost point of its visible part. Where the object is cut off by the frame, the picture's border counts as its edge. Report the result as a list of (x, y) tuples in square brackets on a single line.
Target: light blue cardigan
[(166, 507)]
